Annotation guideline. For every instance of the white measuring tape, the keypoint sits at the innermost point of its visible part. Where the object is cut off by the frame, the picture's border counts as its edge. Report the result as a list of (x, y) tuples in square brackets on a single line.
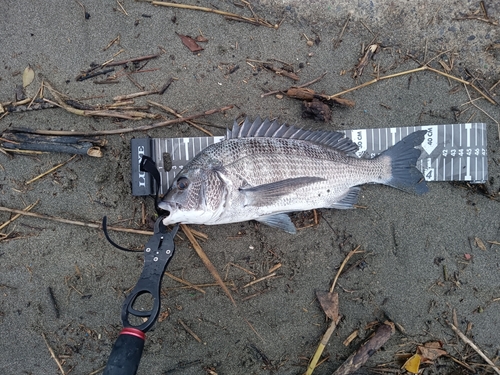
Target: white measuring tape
[(452, 152)]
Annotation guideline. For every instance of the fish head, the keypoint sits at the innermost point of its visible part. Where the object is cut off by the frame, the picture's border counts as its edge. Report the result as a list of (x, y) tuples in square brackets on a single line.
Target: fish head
[(196, 196)]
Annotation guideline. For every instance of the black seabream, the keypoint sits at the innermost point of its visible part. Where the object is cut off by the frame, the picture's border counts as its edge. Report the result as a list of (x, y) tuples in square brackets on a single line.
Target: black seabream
[(263, 170)]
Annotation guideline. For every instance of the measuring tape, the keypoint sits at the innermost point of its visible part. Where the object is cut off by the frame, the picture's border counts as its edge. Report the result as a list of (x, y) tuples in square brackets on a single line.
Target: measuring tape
[(452, 152)]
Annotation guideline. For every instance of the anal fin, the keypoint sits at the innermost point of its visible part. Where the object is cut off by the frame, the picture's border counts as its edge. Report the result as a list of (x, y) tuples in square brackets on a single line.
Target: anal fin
[(349, 200), (280, 221)]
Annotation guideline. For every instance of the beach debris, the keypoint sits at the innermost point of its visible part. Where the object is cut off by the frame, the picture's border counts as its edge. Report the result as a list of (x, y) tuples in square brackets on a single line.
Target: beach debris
[(314, 105), (190, 43), (425, 354), (479, 15), (108, 66), (370, 347), (370, 51), (123, 130), (201, 39), (16, 216), (255, 20), (469, 342), (208, 264), (13, 141), (53, 355), (430, 351), (54, 302), (53, 169), (337, 42), (329, 302), (189, 330), (316, 110), (28, 76), (93, 225), (286, 69), (412, 365)]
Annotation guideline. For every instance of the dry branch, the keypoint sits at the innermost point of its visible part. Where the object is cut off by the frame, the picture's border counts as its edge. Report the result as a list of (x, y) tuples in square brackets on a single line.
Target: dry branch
[(206, 261), (75, 222), (233, 16), (473, 346), (127, 130), (419, 69), (356, 360)]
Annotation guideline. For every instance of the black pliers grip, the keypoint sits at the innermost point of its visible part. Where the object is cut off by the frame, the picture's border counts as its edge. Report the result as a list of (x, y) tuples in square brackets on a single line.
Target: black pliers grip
[(157, 253)]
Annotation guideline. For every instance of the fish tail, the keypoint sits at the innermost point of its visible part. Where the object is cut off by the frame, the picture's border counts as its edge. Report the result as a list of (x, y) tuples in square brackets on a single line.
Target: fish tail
[(403, 155)]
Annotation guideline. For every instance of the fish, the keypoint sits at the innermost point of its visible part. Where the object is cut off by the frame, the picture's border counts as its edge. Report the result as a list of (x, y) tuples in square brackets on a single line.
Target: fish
[(264, 170)]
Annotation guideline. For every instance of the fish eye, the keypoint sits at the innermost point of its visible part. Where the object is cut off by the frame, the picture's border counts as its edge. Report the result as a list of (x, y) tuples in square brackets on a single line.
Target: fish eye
[(182, 183)]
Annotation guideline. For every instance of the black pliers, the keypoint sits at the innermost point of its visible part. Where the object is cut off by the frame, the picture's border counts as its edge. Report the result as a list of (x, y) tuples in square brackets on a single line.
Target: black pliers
[(127, 351)]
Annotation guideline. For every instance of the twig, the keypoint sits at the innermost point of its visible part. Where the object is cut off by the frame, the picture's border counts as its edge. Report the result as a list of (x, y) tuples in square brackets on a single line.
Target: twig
[(189, 330), (206, 261), (170, 110), (259, 280), (128, 130), (28, 208), (419, 69), (482, 110), (473, 346), (134, 95), (236, 17), (348, 256), (133, 60), (339, 39), (95, 372), (301, 86), (53, 355), (122, 8), (75, 222), (182, 281), (49, 171), (164, 88)]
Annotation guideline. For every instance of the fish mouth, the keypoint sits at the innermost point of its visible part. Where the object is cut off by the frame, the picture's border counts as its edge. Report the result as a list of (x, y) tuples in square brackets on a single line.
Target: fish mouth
[(166, 208)]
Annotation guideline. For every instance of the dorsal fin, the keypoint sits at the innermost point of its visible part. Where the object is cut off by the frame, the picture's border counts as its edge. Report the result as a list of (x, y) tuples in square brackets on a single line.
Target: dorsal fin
[(268, 128)]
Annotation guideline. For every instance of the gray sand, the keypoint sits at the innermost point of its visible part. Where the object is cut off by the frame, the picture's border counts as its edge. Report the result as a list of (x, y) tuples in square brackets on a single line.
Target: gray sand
[(408, 240)]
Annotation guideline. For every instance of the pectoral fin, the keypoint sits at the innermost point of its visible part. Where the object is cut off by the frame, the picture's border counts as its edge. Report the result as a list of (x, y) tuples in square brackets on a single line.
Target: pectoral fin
[(268, 193), (281, 221)]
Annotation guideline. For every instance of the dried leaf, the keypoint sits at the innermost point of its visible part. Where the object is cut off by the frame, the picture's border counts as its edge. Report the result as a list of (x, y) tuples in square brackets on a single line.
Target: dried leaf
[(201, 39), (164, 315), (28, 76), (430, 351), (480, 243), (412, 364), (190, 43), (330, 304)]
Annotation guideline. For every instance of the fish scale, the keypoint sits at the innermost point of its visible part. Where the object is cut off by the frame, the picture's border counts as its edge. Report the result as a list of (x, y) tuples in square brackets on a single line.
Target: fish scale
[(264, 170)]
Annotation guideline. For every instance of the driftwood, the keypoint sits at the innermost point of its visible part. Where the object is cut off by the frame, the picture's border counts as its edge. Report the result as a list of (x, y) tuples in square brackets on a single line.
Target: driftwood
[(90, 146), (358, 359)]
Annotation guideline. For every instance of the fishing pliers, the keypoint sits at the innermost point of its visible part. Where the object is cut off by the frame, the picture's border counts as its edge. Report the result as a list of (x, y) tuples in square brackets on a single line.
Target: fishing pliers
[(127, 351)]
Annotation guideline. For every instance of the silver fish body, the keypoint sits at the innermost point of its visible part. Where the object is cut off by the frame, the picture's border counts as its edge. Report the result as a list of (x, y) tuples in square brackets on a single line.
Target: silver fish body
[(262, 170)]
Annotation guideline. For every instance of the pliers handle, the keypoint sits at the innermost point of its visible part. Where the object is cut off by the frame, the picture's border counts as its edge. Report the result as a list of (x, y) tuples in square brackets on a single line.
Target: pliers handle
[(127, 351)]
